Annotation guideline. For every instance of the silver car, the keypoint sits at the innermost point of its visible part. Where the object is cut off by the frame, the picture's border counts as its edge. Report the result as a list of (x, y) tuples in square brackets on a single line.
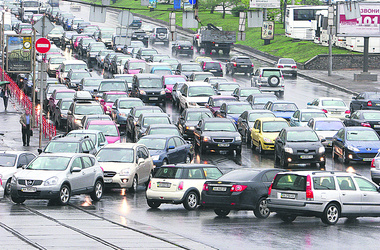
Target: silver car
[(57, 177)]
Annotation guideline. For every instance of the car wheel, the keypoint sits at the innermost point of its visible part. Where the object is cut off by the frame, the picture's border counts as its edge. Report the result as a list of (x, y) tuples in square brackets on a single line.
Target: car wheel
[(283, 162), (260, 149), (188, 158), (8, 186), (238, 151), (17, 200), (276, 160), (251, 145), (331, 214), (345, 159), (273, 81), (153, 204), (334, 155), (97, 194), (64, 195), (222, 212), (191, 201), (133, 188), (262, 211), (165, 162), (287, 217)]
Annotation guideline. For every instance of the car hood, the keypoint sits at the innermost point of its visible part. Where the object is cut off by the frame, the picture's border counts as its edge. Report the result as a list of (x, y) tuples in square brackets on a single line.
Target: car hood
[(112, 139), (304, 145), (220, 134), (365, 145), (37, 174), (271, 135), (116, 166), (7, 171), (203, 99), (284, 114)]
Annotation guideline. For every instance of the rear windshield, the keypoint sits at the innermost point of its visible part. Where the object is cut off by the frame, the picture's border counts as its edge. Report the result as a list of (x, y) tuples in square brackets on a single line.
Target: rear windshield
[(162, 30), (213, 65), (290, 182), (372, 116), (169, 173), (286, 61), (243, 60), (328, 125), (239, 175), (338, 103), (268, 73), (305, 117)]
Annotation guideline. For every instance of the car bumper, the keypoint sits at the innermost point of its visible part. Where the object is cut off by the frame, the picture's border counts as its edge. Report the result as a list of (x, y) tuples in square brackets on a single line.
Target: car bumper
[(233, 201), (118, 181), (41, 193), (307, 208), (221, 146), (153, 99), (243, 70), (165, 197), (304, 158), (288, 71), (364, 157)]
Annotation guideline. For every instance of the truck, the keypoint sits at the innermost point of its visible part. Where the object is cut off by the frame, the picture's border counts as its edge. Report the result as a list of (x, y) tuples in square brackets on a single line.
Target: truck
[(54, 3), (212, 38), (32, 6)]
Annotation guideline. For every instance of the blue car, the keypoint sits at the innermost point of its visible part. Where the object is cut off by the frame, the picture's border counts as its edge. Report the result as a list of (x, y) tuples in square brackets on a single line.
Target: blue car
[(122, 107), (355, 144), (232, 110), (167, 149), (281, 109)]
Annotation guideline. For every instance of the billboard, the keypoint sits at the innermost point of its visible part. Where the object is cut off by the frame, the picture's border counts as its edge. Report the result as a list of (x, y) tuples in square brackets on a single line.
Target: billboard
[(264, 4), (19, 54), (267, 31), (366, 25)]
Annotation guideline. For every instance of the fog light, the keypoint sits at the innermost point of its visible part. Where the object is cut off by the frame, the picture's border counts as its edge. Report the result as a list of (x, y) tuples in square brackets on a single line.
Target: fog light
[(125, 180), (289, 159), (322, 159), (212, 151), (350, 156)]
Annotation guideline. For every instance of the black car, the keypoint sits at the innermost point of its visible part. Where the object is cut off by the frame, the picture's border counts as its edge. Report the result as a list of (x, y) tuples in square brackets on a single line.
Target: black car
[(134, 114), (182, 48), (213, 67), (242, 93), (365, 118), (59, 116), (217, 134), (140, 35), (240, 189), (74, 77), (365, 100), (60, 144), (107, 60), (189, 119), (239, 64), (258, 101), (247, 119), (148, 87), (299, 145), (186, 69), (145, 53)]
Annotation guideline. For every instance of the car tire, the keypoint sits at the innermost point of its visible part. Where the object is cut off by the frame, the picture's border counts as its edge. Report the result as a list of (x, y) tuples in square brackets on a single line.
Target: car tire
[(64, 195), (345, 159), (133, 188), (283, 162), (238, 151), (287, 218), (191, 201), (331, 214), (17, 200), (273, 81), (153, 204), (247, 139), (221, 212), (262, 211), (8, 186), (188, 159), (260, 149), (165, 162), (97, 194)]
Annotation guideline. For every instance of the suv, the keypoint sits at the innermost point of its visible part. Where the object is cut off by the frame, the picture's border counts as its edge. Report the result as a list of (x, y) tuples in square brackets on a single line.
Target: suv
[(182, 47), (80, 108), (239, 64), (57, 177), (269, 80), (60, 144), (159, 34), (140, 35), (327, 195), (148, 87), (181, 183)]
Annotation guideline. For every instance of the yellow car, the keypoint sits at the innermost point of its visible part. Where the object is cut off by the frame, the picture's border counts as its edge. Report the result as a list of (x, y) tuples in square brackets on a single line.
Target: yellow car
[(200, 59), (265, 131)]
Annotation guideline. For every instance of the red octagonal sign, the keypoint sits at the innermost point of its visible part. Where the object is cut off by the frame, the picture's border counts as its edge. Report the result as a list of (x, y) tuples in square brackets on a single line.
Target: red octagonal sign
[(43, 45)]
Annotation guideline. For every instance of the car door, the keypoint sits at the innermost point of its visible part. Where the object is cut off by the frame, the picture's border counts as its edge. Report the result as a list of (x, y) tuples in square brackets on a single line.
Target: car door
[(89, 172), (255, 132), (182, 151), (172, 151), (370, 196), (195, 177), (350, 196), (77, 179), (338, 142), (142, 165)]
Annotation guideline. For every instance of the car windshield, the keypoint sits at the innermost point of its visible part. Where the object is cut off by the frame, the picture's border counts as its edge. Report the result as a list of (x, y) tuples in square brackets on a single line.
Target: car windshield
[(328, 103), (75, 66), (141, 111), (57, 60), (201, 77), (254, 116), (201, 91), (150, 83), (328, 125), (92, 82), (213, 65), (218, 102), (128, 104), (92, 136), (88, 110), (305, 117), (162, 30), (191, 68), (155, 120), (153, 143), (270, 127), (80, 75), (239, 175), (113, 86), (196, 116), (107, 129), (371, 116), (65, 105), (238, 109), (148, 52), (62, 147), (169, 173), (220, 126), (264, 100), (302, 136), (228, 87), (164, 131), (243, 60), (61, 95), (113, 98), (7, 160), (124, 155), (49, 163), (136, 65), (248, 92), (174, 80), (286, 61), (268, 73), (362, 135), (284, 107)]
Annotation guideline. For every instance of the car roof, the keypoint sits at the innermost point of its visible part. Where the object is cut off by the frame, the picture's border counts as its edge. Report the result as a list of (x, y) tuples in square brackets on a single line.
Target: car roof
[(155, 114), (216, 119), (158, 136), (115, 92), (202, 73), (197, 83), (259, 111), (147, 75), (197, 110), (123, 145), (64, 155), (67, 139), (147, 107), (101, 122), (317, 172), (85, 131), (330, 98), (271, 68), (236, 103), (356, 128), (282, 102), (73, 62), (311, 110), (325, 119), (162, 126), (190, 165), (271, 119), (112, 80), (59, 90), (216, 97), (298, 129)]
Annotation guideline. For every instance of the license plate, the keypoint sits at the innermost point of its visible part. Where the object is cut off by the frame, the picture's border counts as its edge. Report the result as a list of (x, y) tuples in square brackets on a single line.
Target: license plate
[(288, 196), (367, 159), (163, 184), (243, 66), (153, 98), (213, 70), (216, 45), (140, 38), (219, 189), (29, 189), (185, 47), (107, 180), (335, 112), (223, 145), (306, 156), (376, 126)]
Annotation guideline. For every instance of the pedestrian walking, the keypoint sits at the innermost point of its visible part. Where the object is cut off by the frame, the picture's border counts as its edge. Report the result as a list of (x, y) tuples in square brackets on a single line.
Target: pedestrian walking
[(26, 121), (5, 95)]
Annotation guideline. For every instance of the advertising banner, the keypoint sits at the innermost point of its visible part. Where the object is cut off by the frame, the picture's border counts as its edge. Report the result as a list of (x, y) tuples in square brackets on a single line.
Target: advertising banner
[(19, 54)]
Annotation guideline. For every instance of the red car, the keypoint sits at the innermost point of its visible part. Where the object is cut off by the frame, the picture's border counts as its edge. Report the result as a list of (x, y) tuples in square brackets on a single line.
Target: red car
[(109, 129), (109, 98), (134, 66), (169, 81)]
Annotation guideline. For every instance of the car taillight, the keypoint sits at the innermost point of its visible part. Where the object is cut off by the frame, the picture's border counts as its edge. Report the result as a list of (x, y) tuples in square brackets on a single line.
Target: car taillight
[(234, 64), (150, 185), (309, 192), (373, 163), (259, 75), (369, 103), (324, 110), (238, 188), (197, 36), (280, 66), (180, 186), (179, 47), (205, 187), (365, 124), (204, 66), (347, 111), (294, 67), (270, 189), (191, 47), (252, 65)]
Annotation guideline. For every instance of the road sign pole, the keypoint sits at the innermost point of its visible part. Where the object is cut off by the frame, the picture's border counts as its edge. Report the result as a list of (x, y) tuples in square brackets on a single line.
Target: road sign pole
[(34, 78), (2, 47), (42, 68)]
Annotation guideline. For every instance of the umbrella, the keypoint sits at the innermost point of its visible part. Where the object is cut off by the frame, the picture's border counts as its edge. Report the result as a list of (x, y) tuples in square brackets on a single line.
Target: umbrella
[(4, 82)]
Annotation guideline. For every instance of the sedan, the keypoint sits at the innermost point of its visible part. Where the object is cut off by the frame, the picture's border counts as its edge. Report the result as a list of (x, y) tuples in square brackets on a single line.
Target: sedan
[(365, 100), (214, 102), (166, 149), (283, 109), (247, 119), (301, 117), (162, 129), (375, 169), (226, 88), (122, 107), (258, 101), (355, 144), (242, 93), (287, 66), (365, 118), (325, 128), (134, 115), (240, 189), (182, 48), (232, 110), (333, 107), (189, 119)]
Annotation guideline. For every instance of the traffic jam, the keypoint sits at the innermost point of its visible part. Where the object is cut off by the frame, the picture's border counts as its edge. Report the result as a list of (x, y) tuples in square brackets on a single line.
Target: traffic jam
[(147, 113)]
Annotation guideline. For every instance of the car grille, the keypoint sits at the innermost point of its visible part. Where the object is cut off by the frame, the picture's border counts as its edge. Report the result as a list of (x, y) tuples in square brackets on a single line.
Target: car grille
[(25, 194), (30, 182), (308, 152), (367, 155), (201, 103), (222, 140), (109, 174)]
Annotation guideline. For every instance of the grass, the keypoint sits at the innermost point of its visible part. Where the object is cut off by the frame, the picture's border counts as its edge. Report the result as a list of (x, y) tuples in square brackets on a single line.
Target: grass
[(281, 46)]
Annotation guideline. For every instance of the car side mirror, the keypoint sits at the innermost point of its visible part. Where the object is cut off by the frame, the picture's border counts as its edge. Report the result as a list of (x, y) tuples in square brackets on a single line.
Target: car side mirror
[(69, 112), (76, 170), (309, 103), (171, 147), (323, 140), (140, 161), (20, 165), (86, 151), (39, 151), (279, 140)]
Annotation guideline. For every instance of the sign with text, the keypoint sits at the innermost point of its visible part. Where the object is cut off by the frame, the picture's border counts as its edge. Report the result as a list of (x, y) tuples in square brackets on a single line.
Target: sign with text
[(267, 31), (264, 4), (367, 25), (18, 54)]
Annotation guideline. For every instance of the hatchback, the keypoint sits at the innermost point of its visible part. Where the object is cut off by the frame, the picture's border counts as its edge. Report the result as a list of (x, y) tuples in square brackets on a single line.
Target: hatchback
[(109, 129)]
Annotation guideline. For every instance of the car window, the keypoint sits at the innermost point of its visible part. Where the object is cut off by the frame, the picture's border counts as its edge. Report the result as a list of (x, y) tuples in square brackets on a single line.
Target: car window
[(171, 143), (289, 182), (169, 173), (77, 163), (90, 145), (193, 173), (212, 173), (84, 147), (365, 185), (345, 183), (30, 157), (22, 160), (269, 176), (324, 183), (178, 141), (87, 162)]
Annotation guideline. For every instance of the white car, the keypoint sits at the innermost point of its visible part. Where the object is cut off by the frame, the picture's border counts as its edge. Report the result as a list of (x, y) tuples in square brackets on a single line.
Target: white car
[(195, 94), (181, 183), (287, 66), (10, 163), (125, 165), (333, 107), (325, 128), (96, 136)]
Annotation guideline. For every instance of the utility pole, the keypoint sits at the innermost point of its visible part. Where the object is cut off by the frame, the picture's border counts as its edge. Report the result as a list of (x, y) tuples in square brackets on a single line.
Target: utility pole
[(42, 83), (330, 21), (2, 47), (34, 78)]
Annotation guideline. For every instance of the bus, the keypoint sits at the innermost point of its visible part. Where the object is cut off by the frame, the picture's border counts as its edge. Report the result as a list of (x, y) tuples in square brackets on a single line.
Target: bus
[(300, 20)]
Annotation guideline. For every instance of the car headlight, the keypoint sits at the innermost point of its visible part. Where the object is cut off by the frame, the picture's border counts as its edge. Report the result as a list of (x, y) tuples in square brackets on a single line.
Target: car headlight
[(267, 140), (14, 180), (122, 114), (238, 138), (77, 121), (190, 128), (51, 181), (352, 148), (321, 150), (155, 157), (142, 92), (206, 138), (125, 171), (193, 104), (288, 150), (162, 92)]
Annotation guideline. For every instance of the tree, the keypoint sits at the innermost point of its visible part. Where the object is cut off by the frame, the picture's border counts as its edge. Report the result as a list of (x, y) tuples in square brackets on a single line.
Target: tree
[(209, 4)]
